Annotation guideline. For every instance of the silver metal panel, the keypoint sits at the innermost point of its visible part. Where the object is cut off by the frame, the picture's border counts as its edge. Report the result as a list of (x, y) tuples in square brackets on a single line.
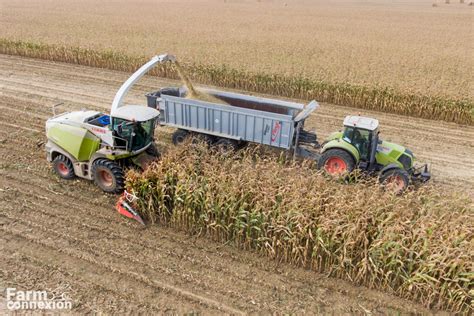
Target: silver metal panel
[(227, 121)]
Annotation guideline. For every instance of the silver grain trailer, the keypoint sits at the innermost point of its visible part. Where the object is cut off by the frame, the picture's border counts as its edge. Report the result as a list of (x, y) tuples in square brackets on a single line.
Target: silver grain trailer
[(240, 120)]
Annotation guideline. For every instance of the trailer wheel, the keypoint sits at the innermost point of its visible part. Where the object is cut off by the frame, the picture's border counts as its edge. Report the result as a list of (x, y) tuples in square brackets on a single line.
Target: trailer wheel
[(226, 145), (205, 138), (63, 167), (336, 162), (108, 175), (179, 136), (153, 151), (395, 180)]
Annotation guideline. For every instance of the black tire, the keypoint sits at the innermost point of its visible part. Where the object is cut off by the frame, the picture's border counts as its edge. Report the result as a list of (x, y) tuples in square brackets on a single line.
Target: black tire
[(205, 138), (179, 136), (63, 167), (341, 162), (395, 180), (108, 175), (152, 150), (226, 145)]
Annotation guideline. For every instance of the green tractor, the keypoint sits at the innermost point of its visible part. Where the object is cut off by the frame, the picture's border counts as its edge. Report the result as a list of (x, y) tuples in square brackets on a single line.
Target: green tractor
[(98, 146), (358, 147)]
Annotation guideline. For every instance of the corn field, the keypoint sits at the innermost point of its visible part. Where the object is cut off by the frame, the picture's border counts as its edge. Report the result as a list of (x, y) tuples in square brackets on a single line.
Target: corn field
[(371, 98), (418, 246)]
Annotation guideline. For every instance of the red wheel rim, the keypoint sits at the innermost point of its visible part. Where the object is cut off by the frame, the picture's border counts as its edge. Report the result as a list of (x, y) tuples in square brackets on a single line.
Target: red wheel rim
[(63, 169), (105, 177), (395, 183), (335, 165)]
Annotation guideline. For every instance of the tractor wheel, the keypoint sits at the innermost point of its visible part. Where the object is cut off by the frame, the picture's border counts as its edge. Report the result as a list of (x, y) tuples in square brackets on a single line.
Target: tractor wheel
[(179, 136), (108, 175), (336, 162), (153, 151), (225, 145), (63, 167), (395, 180)]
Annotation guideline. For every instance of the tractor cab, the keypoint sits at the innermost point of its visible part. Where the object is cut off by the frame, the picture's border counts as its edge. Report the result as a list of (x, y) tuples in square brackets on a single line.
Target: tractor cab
[(362, 133), (133, 126)]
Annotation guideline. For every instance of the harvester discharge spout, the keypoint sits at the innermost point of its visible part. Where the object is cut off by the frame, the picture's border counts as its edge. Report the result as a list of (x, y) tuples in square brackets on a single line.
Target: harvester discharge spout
[(120, 95)]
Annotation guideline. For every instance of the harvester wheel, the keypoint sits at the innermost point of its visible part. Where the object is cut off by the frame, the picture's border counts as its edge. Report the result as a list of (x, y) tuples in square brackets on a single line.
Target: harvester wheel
[(336, 162), (63, 167), (179, 136), (108, 175), (395, 180)]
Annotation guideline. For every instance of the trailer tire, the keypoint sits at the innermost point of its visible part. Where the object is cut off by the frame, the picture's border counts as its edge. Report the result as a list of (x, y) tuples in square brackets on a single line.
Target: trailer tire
[(63, 167), (179, 136), (336, 162), (395, 180), (225, 145), (205, 138), (108, 175), (153, 151)]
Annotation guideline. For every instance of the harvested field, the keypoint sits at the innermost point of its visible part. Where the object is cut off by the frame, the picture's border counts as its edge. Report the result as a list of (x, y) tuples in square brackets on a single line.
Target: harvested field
[(59, 234)]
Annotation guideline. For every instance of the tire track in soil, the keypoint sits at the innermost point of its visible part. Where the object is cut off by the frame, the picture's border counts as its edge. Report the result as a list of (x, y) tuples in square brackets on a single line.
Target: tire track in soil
[(30, 264), (62, 247)]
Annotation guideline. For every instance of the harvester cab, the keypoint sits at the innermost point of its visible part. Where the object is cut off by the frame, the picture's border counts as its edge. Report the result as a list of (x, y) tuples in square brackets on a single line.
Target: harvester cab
[(98, 146), (358, 146)]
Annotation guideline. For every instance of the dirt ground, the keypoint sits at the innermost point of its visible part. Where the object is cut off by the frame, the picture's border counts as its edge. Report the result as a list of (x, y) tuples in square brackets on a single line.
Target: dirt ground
[(65, 235)]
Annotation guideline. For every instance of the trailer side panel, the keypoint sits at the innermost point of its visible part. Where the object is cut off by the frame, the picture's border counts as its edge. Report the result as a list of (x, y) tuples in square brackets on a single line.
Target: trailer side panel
[(227, 121)]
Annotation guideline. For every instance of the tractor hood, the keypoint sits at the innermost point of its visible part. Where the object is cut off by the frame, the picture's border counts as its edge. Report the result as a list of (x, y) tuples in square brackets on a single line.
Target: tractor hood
[(391, 149)]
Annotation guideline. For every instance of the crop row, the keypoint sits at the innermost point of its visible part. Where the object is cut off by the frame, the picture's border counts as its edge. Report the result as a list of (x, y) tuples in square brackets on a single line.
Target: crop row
[(371, 98)]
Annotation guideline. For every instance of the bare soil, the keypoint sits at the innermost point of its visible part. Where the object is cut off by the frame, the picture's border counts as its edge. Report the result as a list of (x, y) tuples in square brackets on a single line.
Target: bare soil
[(65, 235)]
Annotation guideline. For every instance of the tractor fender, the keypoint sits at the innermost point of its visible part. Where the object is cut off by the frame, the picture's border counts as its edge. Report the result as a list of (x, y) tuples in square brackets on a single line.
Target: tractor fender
[(340, 144), (389, 167)]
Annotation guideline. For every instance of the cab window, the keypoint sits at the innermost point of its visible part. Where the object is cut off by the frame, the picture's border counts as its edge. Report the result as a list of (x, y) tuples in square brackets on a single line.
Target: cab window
[(360, 139)]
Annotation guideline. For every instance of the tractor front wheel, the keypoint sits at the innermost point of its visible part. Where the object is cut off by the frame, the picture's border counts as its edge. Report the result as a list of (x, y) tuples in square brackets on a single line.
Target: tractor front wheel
[(63, 167), (336, 162), (395, 180), (108, 175)]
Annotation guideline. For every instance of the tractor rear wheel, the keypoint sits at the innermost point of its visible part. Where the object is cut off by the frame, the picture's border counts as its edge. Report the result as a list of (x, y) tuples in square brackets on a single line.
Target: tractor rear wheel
[(63, 167), (108, 175), (395, 180), (179, 136), (336, 162)]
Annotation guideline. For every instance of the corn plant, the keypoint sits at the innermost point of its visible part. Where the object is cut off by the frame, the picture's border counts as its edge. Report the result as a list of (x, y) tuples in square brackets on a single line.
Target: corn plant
[(418, 246)]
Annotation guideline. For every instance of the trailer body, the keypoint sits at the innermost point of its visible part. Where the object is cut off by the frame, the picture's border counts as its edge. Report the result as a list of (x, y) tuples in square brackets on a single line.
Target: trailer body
[(244, 118)]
